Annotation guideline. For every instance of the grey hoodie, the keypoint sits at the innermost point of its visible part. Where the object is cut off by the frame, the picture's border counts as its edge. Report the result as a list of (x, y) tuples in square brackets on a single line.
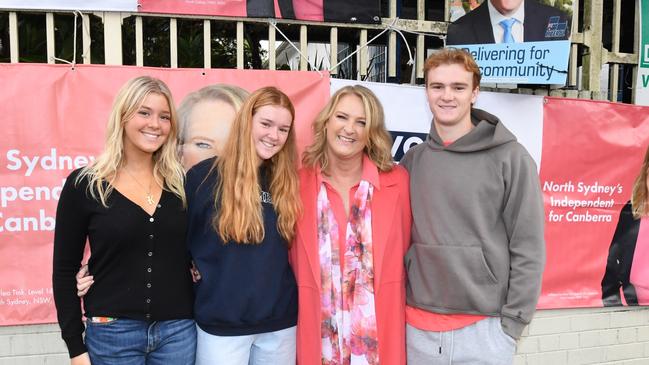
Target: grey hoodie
[(477, 233)]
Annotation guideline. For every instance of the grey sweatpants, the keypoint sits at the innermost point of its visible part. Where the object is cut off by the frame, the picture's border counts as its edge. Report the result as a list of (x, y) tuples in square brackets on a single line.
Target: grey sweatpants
[(482, 343)]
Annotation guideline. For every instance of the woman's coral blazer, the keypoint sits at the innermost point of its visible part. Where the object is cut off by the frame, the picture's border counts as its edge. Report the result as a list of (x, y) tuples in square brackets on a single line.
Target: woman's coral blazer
[(391, 221)]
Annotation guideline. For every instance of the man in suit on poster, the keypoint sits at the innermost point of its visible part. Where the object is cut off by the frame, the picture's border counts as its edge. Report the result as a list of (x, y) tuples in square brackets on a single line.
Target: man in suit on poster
[(509, 21)]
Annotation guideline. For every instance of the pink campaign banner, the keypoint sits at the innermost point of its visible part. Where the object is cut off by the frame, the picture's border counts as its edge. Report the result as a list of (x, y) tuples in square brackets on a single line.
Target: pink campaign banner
[(357, 11), (236, 8), (592, 152), (55, 119)]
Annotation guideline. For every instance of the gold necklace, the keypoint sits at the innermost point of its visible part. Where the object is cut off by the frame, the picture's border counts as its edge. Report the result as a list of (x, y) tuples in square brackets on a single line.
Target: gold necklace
[(149, 197)]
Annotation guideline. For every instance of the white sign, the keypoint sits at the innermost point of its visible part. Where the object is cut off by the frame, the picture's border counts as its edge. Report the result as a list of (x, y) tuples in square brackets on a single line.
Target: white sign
[(81, 5)]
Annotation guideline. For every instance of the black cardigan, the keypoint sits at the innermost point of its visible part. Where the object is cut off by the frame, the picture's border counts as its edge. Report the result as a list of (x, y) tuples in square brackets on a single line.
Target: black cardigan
[(139, 262), (620, 258)]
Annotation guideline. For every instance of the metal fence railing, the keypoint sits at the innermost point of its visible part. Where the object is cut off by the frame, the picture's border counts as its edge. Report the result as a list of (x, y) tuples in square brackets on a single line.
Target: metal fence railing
[(600, 40)]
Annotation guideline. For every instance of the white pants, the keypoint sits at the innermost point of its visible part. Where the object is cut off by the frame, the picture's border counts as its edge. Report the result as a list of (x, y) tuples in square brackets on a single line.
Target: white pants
[(263, 348)]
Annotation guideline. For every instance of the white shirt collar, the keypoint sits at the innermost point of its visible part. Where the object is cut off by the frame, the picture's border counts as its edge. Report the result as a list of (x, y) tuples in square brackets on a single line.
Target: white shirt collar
[(496, 17), (517, 28)]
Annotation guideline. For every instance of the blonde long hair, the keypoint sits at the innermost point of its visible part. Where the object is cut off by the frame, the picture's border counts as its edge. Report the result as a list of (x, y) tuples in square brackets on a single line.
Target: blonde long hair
[(379, 142), (238, 214), (167, 170), (639, 196)]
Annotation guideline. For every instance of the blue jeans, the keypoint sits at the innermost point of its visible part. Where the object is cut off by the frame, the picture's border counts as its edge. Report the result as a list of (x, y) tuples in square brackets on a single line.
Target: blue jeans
[(135, 342)]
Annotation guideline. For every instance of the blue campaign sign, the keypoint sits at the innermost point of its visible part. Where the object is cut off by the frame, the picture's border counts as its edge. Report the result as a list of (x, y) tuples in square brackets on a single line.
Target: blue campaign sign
[(404, 140), (522, 63)]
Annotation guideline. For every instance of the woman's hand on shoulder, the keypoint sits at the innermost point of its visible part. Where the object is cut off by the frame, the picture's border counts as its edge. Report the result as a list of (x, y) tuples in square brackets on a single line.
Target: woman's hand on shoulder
[(84, 281), (82, 359), (196, 275)]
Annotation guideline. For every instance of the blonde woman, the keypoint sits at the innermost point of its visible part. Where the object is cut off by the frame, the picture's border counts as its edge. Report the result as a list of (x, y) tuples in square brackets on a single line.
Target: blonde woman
[(352, 238), (628, 255), (205, 117), (130, 205), (242, 210)]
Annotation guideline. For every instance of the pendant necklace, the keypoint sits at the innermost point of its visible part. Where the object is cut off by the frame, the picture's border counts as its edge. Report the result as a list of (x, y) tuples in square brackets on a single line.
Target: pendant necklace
[(149, 197)]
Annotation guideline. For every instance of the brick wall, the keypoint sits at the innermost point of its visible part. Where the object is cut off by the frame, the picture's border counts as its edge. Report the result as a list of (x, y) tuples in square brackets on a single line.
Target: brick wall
[(32, 345), (611, 336)]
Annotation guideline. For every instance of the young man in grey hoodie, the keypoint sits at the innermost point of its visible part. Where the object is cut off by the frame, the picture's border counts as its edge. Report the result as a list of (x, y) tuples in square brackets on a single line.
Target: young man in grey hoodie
[(477, 253)]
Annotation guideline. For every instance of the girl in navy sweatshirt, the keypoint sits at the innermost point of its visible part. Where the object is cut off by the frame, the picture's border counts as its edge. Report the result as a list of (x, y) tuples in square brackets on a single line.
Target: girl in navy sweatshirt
[(242, 209)]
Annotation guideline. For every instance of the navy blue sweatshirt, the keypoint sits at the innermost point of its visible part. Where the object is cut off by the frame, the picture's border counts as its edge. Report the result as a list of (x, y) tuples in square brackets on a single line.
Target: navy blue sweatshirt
[(245, 288)]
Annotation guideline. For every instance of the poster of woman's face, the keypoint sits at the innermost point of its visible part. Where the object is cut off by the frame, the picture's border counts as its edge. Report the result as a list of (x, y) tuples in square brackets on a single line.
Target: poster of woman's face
[(206, 116)]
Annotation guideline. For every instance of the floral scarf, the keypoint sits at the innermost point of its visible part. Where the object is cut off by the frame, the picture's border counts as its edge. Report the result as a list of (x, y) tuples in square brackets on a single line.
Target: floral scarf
[(349, 335)]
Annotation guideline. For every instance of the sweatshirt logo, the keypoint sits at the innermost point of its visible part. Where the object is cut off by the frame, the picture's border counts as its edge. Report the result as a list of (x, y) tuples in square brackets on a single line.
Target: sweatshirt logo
[(265, 197)]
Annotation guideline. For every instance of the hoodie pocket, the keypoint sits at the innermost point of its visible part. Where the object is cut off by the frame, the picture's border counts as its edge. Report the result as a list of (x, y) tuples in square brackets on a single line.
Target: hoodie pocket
[(456, 278)]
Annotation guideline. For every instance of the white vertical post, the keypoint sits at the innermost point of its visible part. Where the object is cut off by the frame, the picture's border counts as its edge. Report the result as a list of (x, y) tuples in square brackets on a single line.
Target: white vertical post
[(421, 52), (303, 48), (86, 41), (112, 38), (139, 42), (173, 42), (333, 47), (207, 44), (392, 43), (272, 51), (363, 60), (49, 37), (13, 37), (421, 56), (240, 45)]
